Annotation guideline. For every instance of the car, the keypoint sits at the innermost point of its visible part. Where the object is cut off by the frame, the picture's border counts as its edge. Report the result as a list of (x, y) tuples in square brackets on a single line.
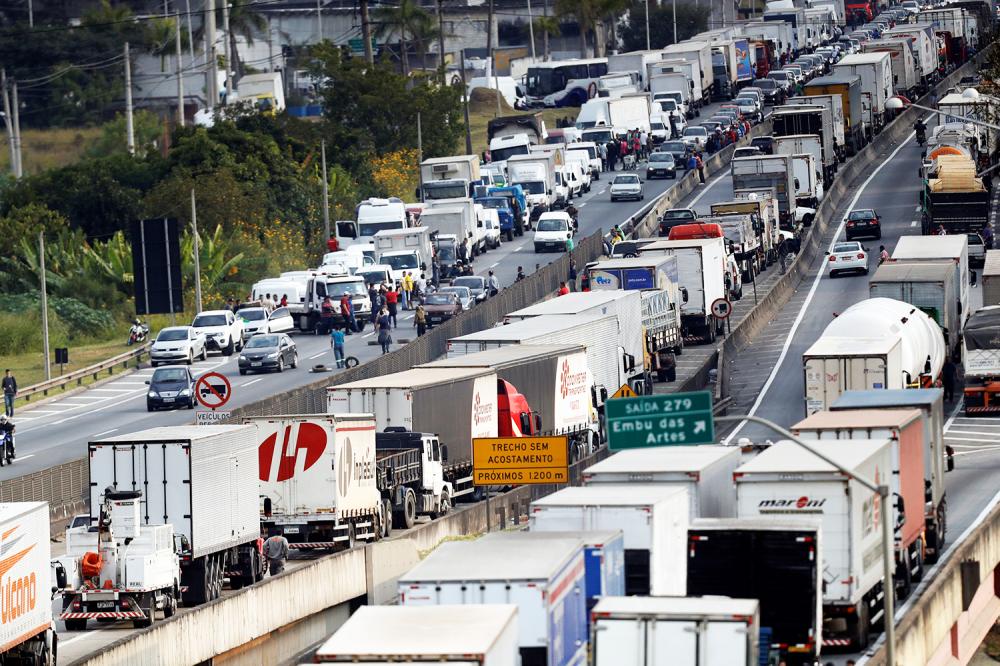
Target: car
[(694, 136), (678, 149), (911, 6), (555, 228), (271, 351), (628, 248), (764, 143), (376, 274), (222, 329), (673, 217), (170, 387), (489, 220), (756, 93), (748, 106), (977, 250), (464, 295), (847, 257), (475, 283), (774, 92), (660, 165), (257, 320), (712, 125), (627, 186), (178, 344), (747, 151), (785, 79), (441, 306), (862, 222)]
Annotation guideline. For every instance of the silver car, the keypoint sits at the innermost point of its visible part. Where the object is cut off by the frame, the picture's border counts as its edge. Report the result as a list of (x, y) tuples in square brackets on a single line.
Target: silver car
[(626, 186), (178, 344), (464, 294)]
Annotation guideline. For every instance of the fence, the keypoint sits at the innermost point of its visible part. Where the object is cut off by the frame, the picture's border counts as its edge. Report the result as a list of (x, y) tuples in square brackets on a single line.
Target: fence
[(62, 381)]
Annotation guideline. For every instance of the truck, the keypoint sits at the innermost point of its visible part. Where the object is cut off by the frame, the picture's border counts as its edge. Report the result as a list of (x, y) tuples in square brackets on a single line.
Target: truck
[(807, 171), (690, 90), (795, 17), (787, 480), (701, 274), (878, 343), (623, 113), (723, 72), (848, 87), (512, 135), (706, 472), (923, 46), (905, 76), (956, 109), (646, 631), (991, 278), (798, 120), (542, 389), (207, 489), (536, 174), (927, 285), (122, 568), (382, 634), (875, 70), (832, 127), (743, 232), (373, 215), (956, 200), (454, 218), (335, 284), (777, 34), (905, 432), (511, 223), (937, 456), (700, 53), (547, 586), (265, 91), (953, 248), (780, 565), (981, 352), (405, 250), (448, 177), (653, 519), (27, 632), (768, 171), (634, 61)]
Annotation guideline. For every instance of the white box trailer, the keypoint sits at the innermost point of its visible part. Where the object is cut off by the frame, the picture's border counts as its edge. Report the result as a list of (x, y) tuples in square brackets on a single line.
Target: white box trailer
[(706, 472), (923, 46), (875, 70), (654, 520), (953, 248), (426, 634), (204, 481), (691, 70), (634, 61), (835, 104), (27, 632), (788, 480), (905, 77), (700, 53), (926, 284), (693, 631), (768, 171)]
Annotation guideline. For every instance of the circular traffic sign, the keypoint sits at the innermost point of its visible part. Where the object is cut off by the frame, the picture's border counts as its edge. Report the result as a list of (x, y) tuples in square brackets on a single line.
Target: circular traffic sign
[(722, 308), (213, 390)]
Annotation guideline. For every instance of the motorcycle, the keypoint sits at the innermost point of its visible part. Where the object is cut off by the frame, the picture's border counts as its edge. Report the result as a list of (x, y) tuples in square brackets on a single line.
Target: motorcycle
[(138, 334), (921, 136), (7, 450)]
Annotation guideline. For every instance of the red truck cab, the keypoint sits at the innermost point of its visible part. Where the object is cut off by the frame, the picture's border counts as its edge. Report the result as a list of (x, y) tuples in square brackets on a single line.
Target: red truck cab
[(515, 416)]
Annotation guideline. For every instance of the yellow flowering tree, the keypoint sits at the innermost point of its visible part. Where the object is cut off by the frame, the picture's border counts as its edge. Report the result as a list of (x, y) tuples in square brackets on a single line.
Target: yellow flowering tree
[(397, 174)]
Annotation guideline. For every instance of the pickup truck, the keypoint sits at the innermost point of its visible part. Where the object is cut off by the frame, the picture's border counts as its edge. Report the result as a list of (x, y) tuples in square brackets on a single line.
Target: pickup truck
[(222, 329), (675, 216)]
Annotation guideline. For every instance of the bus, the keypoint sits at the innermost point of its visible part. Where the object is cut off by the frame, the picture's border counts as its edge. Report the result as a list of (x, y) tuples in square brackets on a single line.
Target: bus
[(563, 82)]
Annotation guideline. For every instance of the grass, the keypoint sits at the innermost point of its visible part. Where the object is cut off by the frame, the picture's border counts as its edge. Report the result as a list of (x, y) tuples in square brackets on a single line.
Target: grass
[(50, 148), (483, 109)]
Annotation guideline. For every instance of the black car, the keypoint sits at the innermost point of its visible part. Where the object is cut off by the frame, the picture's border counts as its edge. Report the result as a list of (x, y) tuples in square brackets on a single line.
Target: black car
[(862, 222), (268, 352), (764, 143), (675, 217), (773, 92), (475, 283), (661, 165), (170, 387)]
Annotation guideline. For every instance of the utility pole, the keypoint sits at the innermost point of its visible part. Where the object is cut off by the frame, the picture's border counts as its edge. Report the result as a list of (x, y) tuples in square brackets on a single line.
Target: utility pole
[(180, 74), (440, 12), (465, 104), (197, 253), (675, 21), (489, 37), (16, 120), (326, 195), (8, 123), (129, 127), (496, 81), (319, 24), (211, 62), (545, 34), (647, 25), (531, 31), (366, 32), (45, 305), (226, 49)]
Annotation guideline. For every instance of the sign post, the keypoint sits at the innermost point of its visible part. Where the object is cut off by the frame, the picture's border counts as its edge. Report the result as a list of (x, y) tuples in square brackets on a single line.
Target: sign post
[(677, 419), (722, 308), (212, 390)]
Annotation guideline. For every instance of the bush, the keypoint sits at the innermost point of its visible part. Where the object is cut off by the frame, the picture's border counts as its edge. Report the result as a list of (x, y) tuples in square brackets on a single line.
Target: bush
[(21, 332), (70, 321)]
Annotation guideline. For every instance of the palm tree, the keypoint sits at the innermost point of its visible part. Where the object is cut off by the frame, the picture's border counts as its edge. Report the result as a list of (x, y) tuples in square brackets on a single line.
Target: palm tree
[(161, 39), (407, 20), (549, 27), (591, 15), (246, 22)]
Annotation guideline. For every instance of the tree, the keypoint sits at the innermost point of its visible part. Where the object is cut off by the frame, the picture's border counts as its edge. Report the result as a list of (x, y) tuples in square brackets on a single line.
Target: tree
[(406, 20), (25, 222), (246, 22), (691, 20), (146, 127), (590, 16), (548, 26)]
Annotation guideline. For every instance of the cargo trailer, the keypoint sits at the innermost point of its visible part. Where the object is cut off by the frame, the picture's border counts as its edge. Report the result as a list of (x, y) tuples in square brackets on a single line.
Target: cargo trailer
[(953, 248), (991, 278), (835, 105), (926, 284), (799, 120), (875, 70), (765, 172), (848, 87), (906, 78), (27, 632), (981, 346)]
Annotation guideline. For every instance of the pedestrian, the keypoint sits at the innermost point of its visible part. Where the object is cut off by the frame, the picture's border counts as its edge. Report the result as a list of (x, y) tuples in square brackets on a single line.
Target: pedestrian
[(883, 255), (692, 163), (585, 281), (337, 342), (384, 331), (231, 305), (435, 271), (941, 231), (276, 552), (520, 274), (569, 243), (644, 143), (463, 251), (407, 290), (284, 301), (420, 288), (563, 289), (391, 301), (492, 284), (420, 320), (326, 316), (602, 150), (9, 392), (347, 314), (948, 379), (612, 151), (332, 245), (572, 274), (701, 168)]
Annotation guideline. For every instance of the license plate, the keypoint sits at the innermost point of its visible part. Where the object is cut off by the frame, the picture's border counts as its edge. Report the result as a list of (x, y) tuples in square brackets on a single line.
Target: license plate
[(168, 399), (256, 364), (291, 530), (105, 605)]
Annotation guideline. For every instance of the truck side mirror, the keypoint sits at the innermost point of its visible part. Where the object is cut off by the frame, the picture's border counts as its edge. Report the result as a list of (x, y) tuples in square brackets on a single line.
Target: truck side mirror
[(548, 191), (525, 420), (900, 512), (61, 578), (416, 193), (538, 426), (684, 294)]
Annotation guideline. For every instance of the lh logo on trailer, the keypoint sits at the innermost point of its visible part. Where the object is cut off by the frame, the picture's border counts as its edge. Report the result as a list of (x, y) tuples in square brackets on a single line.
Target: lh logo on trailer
[(310, 439)]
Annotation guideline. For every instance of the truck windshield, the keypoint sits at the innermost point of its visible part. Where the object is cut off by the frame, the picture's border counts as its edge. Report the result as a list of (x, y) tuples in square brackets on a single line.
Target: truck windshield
[(446, 254), (399, 261), (338, 289), (502, 154), (372, 228), (533, 187), (452, 189), (598, 136), (496, 203)]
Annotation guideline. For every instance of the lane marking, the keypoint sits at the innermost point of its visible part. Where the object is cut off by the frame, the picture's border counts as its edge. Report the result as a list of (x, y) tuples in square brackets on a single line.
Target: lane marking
[(494, 265), (106, 432), (709, 186), (252, 381), (914, 223), (30, 455), (319, 354), (812, 292), (89, 632)]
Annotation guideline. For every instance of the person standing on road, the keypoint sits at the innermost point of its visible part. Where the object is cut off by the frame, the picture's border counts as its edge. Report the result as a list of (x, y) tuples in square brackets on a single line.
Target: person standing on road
[(337, 342), (520, 274), (571, 275), (602, 149), (420, 320), (391, 301), (492, 285), (9, 392), (883, 255), (384, 331), (948, 379), (407, 290), (612, 150), (276, 553), (347, 312), (701, 167), (326, 315)]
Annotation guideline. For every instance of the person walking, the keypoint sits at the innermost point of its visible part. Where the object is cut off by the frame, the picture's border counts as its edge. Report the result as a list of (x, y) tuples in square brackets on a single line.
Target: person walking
[(602, 150), (337, 342), (326, 316), (948, 372), (883, 255), (384, 331), (492, 284), (612, 150), (572, 274), (407, 290), (391, 301), (420, 320), (701, 167), (347, 313), (276, 553), (9, 393), (284, 300)]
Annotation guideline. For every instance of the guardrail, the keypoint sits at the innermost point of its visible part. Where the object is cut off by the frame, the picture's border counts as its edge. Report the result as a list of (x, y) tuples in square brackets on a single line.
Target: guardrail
[(62, 381)]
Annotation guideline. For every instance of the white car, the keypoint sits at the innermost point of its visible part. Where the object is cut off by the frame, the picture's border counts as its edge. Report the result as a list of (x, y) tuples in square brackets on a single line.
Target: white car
[(257, 320), (695, 136), (177, 344), (748, 106), (848, 256), (464, 294), (222, 329), (627, 186), (553, 231)]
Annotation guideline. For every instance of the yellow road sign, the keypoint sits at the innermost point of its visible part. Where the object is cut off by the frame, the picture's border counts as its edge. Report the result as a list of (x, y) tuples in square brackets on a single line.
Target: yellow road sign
[(507, 461), (625, 392)]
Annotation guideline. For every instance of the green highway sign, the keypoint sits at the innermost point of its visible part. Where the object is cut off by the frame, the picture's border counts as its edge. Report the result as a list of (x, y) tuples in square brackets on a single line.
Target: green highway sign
[(678, 419), (357, 44)]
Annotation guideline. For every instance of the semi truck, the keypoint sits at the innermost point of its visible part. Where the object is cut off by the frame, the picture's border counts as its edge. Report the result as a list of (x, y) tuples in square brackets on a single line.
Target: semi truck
[(953, 248), (653, 520), (848, 87), (426, 635), (799, 120), (905, 432), (706, 472), (647, 631), (207, 488), (878, 343), (927, 285), (981, 351), (781, 565), (27, 632), (787, 480), (546, 583), (765, 172), (448, 177), (956, 200)]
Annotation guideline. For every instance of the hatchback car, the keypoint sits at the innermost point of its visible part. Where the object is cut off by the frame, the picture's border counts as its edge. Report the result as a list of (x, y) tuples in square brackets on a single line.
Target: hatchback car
[(268, 352), (257, 320), (555, 228), (169, 388), (660, 165), (847, 257), (441, 306), (627, 186), (863, 222), (475, 283), (178, 344), (464, 295)]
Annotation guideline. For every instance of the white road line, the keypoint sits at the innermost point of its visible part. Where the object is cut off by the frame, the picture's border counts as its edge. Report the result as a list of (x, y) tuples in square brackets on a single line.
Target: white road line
[(950, 438), (325, 351), (582, 205), (812, 292), (707, 188), (981, 449), (516, 249), (30, 455), (22, 419), (914, 223), (110, 389), (130, 383), (91, 632), (252, 381), (106, 432), (494, 265), (972, 432)]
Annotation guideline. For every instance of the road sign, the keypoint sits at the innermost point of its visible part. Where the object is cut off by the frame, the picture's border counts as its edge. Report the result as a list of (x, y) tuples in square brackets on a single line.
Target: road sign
[(625, 391), (357, 44), (507, 461), (677, 419), (722, 308), (213, 390), (211, 418)]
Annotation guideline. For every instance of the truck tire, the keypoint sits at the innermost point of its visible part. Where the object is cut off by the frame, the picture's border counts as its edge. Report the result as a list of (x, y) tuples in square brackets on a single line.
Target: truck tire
[(444, 506), (76, 625), (386, 518), (170, 603), (197, 582), (671, 374), (405, 515), (860, 638)]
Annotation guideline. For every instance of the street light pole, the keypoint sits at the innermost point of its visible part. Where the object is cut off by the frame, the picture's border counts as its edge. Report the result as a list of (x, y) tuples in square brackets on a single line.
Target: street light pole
[(647, 25), (675, 21)]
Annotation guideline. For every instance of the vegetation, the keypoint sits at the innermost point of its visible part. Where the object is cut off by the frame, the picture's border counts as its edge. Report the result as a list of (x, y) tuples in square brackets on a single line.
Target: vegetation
[(691, 19)]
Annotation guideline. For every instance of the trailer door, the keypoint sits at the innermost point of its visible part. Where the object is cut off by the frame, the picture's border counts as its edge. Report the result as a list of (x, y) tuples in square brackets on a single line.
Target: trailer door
[(619, 642), (724, 644), (672, 642)]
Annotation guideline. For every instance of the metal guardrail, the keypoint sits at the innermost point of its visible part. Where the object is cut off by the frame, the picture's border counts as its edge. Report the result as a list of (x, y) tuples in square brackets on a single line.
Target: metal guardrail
[(77, 376)]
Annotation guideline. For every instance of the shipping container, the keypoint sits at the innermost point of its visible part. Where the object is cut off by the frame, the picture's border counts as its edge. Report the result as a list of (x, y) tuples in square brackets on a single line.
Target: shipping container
[(27, 632), (926, 284), (653, 520)]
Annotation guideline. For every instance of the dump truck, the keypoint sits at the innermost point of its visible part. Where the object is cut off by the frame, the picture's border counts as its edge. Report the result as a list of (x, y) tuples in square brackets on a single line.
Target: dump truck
[(956, 200)]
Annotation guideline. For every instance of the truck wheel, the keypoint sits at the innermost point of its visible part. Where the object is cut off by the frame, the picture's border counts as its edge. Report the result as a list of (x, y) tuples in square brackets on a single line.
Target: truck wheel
[(860, 638), (510, 235), (76, 625), (671, 374), (444, 506), (386, 519), (406, 515), (170, 604), (918, 574)]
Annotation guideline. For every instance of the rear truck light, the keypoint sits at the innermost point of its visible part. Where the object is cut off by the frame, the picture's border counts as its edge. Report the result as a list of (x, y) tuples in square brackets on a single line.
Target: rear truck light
[(695, 475), (695, 537), (861, 256), (833, 258)]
